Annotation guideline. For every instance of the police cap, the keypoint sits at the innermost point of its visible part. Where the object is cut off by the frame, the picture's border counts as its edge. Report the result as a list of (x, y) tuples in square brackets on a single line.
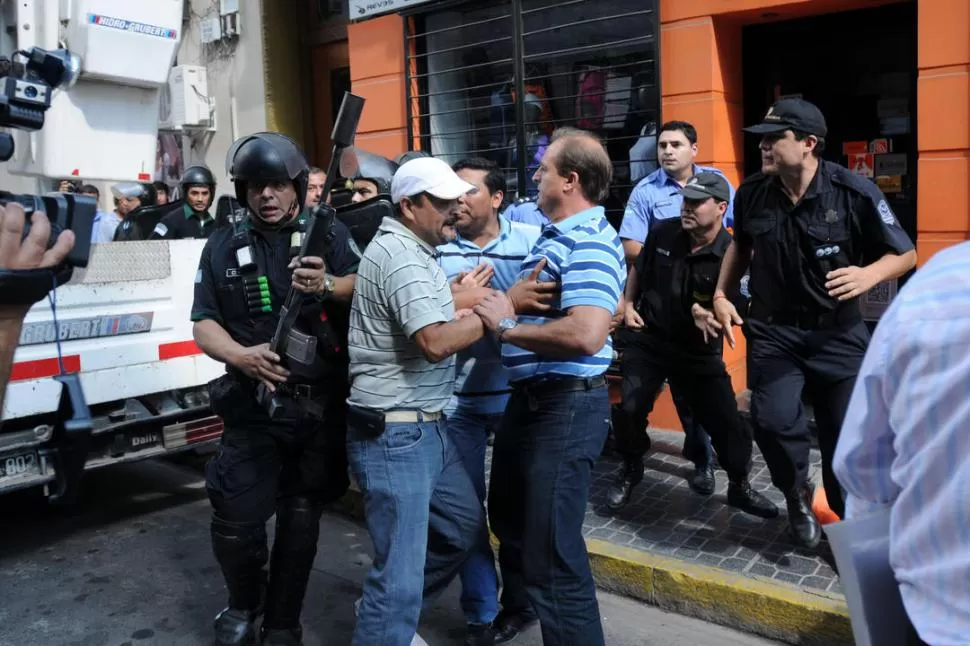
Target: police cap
[(704, 185), (791, 114)]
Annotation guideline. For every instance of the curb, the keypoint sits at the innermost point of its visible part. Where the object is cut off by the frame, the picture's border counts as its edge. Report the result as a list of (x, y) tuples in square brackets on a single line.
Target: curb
[(748, 603)]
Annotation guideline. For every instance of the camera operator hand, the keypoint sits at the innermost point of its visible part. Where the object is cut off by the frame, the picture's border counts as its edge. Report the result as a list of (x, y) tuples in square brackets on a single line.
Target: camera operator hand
[(30, 253)]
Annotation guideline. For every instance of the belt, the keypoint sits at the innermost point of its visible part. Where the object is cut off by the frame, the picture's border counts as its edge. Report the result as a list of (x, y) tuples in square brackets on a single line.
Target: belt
[(842, 317), (410, 416), (553, 386)]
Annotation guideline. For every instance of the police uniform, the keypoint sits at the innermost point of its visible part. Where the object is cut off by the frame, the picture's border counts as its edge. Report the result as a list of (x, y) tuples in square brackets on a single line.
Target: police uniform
[(526, 211), (799, 336), (672, 277), (291, 466)]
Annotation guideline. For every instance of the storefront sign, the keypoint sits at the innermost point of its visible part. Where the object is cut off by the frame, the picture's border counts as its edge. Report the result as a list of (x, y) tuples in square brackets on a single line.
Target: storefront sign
[(367, 8)]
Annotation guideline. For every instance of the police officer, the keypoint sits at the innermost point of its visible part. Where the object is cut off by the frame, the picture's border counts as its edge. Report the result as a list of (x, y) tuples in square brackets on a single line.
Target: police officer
[(526, 210), (816, 237), (676, 271), (192, 220), (293, 464), (373, 176), (132, 201)]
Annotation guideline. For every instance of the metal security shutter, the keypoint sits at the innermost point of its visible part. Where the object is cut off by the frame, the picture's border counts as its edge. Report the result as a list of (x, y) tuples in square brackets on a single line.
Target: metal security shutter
[(459, 68), (596, 62), (591, 64)]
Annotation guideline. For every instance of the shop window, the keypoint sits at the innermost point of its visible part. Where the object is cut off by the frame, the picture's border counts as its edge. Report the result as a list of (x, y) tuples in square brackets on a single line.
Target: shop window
[(584, 63)]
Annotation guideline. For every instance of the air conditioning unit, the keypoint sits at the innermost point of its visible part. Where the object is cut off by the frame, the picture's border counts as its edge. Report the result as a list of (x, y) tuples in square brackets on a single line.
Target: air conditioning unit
[(185, 102)]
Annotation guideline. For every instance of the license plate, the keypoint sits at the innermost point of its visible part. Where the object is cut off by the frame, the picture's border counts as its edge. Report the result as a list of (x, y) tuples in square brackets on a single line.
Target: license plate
[(19, 465)]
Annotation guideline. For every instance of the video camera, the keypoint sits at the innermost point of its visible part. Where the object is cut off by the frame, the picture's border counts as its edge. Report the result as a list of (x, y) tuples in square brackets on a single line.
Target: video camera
[(27, 83)]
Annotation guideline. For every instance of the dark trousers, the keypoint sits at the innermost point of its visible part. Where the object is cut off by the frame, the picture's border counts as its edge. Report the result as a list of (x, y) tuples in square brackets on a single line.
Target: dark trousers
[(698, 377), (542, 462), (782, 362)]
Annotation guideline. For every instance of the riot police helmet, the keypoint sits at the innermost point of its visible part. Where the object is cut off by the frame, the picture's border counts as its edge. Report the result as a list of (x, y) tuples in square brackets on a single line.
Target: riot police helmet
[(267, 157), (197, 176), (375, 169)]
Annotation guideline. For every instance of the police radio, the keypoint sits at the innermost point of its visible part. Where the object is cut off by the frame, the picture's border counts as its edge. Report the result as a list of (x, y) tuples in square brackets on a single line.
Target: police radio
[(313, 238)]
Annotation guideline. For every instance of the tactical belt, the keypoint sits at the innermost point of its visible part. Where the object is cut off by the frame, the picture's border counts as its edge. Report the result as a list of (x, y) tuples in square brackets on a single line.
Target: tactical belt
[(842, 317)]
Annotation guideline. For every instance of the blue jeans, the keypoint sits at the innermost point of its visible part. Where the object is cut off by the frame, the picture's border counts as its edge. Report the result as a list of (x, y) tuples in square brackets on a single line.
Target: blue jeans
[(423, 517), (542, 462), (479, 581)]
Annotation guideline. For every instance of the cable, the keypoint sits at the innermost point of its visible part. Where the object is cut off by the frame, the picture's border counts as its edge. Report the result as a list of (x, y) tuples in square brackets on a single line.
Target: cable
[(52, 299)]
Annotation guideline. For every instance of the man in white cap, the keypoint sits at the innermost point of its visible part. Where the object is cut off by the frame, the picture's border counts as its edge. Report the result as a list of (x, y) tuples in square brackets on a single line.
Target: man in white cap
[(421, 508)]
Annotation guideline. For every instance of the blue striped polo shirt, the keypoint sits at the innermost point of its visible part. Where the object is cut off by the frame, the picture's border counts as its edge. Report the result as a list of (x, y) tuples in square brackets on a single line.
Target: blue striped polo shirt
[(482, 385), (584, 254)]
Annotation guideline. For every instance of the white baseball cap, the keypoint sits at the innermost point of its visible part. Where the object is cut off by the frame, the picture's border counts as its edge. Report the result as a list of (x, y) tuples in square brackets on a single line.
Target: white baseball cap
[(427, 175)]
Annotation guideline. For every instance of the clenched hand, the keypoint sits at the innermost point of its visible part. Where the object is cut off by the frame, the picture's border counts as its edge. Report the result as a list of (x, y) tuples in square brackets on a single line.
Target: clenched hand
[(257, 362)]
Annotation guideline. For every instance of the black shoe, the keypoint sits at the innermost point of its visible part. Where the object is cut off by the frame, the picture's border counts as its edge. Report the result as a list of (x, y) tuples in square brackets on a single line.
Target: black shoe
[(235, 628), (742, 496), (282, 637), (618, 495), (507, 627), (804, 527), (702, 481), (480, 635)]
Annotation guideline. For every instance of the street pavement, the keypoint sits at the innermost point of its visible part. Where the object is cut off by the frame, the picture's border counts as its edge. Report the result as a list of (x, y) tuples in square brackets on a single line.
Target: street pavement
[(130, 565)]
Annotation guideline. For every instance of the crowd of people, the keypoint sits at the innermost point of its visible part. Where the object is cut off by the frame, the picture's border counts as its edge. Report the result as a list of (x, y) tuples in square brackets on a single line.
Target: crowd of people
[(455, 320)]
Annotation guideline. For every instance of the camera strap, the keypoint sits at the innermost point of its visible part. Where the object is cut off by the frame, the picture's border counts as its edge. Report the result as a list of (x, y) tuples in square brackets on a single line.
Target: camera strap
[(29, 286)]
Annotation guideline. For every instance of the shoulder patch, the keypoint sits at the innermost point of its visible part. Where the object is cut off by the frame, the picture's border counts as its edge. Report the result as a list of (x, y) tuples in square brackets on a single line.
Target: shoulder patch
[(886, 213), (161, 229), (198, 276)]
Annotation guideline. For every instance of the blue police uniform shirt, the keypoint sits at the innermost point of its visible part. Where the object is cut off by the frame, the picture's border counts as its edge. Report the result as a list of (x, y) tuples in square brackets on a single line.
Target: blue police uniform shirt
[(584, 255), (482, 383), (657, 197), (526, 211)]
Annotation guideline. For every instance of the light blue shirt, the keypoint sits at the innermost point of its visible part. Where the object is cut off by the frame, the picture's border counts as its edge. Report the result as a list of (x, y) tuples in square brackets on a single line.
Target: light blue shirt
[(105, 223), (584, 255), (657, 197), (526, 212), (482, 385), (905, 443)]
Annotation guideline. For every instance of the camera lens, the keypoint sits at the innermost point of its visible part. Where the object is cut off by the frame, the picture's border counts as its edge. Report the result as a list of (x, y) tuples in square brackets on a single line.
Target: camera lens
[(30, 91)]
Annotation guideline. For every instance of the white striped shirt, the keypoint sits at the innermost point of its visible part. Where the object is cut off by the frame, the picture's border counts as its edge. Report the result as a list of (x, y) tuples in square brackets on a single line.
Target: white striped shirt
[(905, 443), (400, 289)]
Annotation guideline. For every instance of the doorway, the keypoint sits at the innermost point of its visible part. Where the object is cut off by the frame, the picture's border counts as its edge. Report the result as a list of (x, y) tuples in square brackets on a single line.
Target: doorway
[(330, 78), (860, 68)]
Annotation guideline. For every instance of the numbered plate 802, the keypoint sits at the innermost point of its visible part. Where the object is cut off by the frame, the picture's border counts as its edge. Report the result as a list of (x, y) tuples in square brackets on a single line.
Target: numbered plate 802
[(19, 464)]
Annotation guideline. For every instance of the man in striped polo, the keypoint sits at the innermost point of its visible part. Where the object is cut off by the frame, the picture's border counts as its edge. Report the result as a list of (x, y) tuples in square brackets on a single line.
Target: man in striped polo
[(420, 505), (557, 417), (486, 241)]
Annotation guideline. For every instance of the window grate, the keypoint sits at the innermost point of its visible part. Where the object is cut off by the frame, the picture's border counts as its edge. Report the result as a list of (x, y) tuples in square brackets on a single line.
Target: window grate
[(590, 64)]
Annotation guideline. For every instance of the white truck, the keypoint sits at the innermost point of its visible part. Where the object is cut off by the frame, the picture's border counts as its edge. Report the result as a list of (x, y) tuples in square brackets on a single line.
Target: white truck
[(123, 321)]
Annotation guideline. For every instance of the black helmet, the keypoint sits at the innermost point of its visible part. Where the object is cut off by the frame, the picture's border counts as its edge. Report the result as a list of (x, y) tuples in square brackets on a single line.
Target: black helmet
[(375, 168), (404, 158), (197, 176), (267, 157)]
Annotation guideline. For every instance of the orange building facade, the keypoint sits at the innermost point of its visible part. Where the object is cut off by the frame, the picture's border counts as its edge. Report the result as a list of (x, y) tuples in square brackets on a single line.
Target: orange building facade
[(705, 77)]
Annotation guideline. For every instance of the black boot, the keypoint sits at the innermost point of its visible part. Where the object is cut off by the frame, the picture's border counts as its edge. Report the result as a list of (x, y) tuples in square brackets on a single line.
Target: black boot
[(804, 526), (742, 496), (703, 481), (240, 549), (295, 546), (619, 492)]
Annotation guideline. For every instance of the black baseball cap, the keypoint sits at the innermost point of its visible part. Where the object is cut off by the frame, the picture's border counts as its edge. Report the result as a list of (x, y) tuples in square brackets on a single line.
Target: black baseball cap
[(704, 185), (791, 114)]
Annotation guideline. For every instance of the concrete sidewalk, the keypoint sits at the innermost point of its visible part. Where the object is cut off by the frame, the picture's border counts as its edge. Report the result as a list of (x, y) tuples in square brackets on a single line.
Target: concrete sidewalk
[(698, 557)]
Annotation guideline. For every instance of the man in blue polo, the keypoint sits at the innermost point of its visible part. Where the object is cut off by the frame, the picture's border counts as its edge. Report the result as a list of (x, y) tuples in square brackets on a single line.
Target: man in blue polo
[(482, 385), (655, 198), (557, 416)]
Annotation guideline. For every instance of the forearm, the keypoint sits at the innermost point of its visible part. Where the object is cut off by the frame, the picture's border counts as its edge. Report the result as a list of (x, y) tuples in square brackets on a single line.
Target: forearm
[(467, 298), (343, 287), (631, 249), (561, 338), (892, 265), (214, 340), (632, 285), (9, 338), (445, 339), (735, 263)]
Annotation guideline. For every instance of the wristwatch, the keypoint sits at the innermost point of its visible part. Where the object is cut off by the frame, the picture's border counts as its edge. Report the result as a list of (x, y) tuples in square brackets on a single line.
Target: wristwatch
[(505, 325), (328, 284)]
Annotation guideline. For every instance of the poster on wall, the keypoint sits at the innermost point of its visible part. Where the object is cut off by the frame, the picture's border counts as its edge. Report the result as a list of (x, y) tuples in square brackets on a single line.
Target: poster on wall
[(168, 158), (862, 164)]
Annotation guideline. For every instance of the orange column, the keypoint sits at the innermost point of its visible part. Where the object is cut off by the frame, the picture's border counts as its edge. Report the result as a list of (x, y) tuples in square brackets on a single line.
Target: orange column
[(943, 105), (377, 74)]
